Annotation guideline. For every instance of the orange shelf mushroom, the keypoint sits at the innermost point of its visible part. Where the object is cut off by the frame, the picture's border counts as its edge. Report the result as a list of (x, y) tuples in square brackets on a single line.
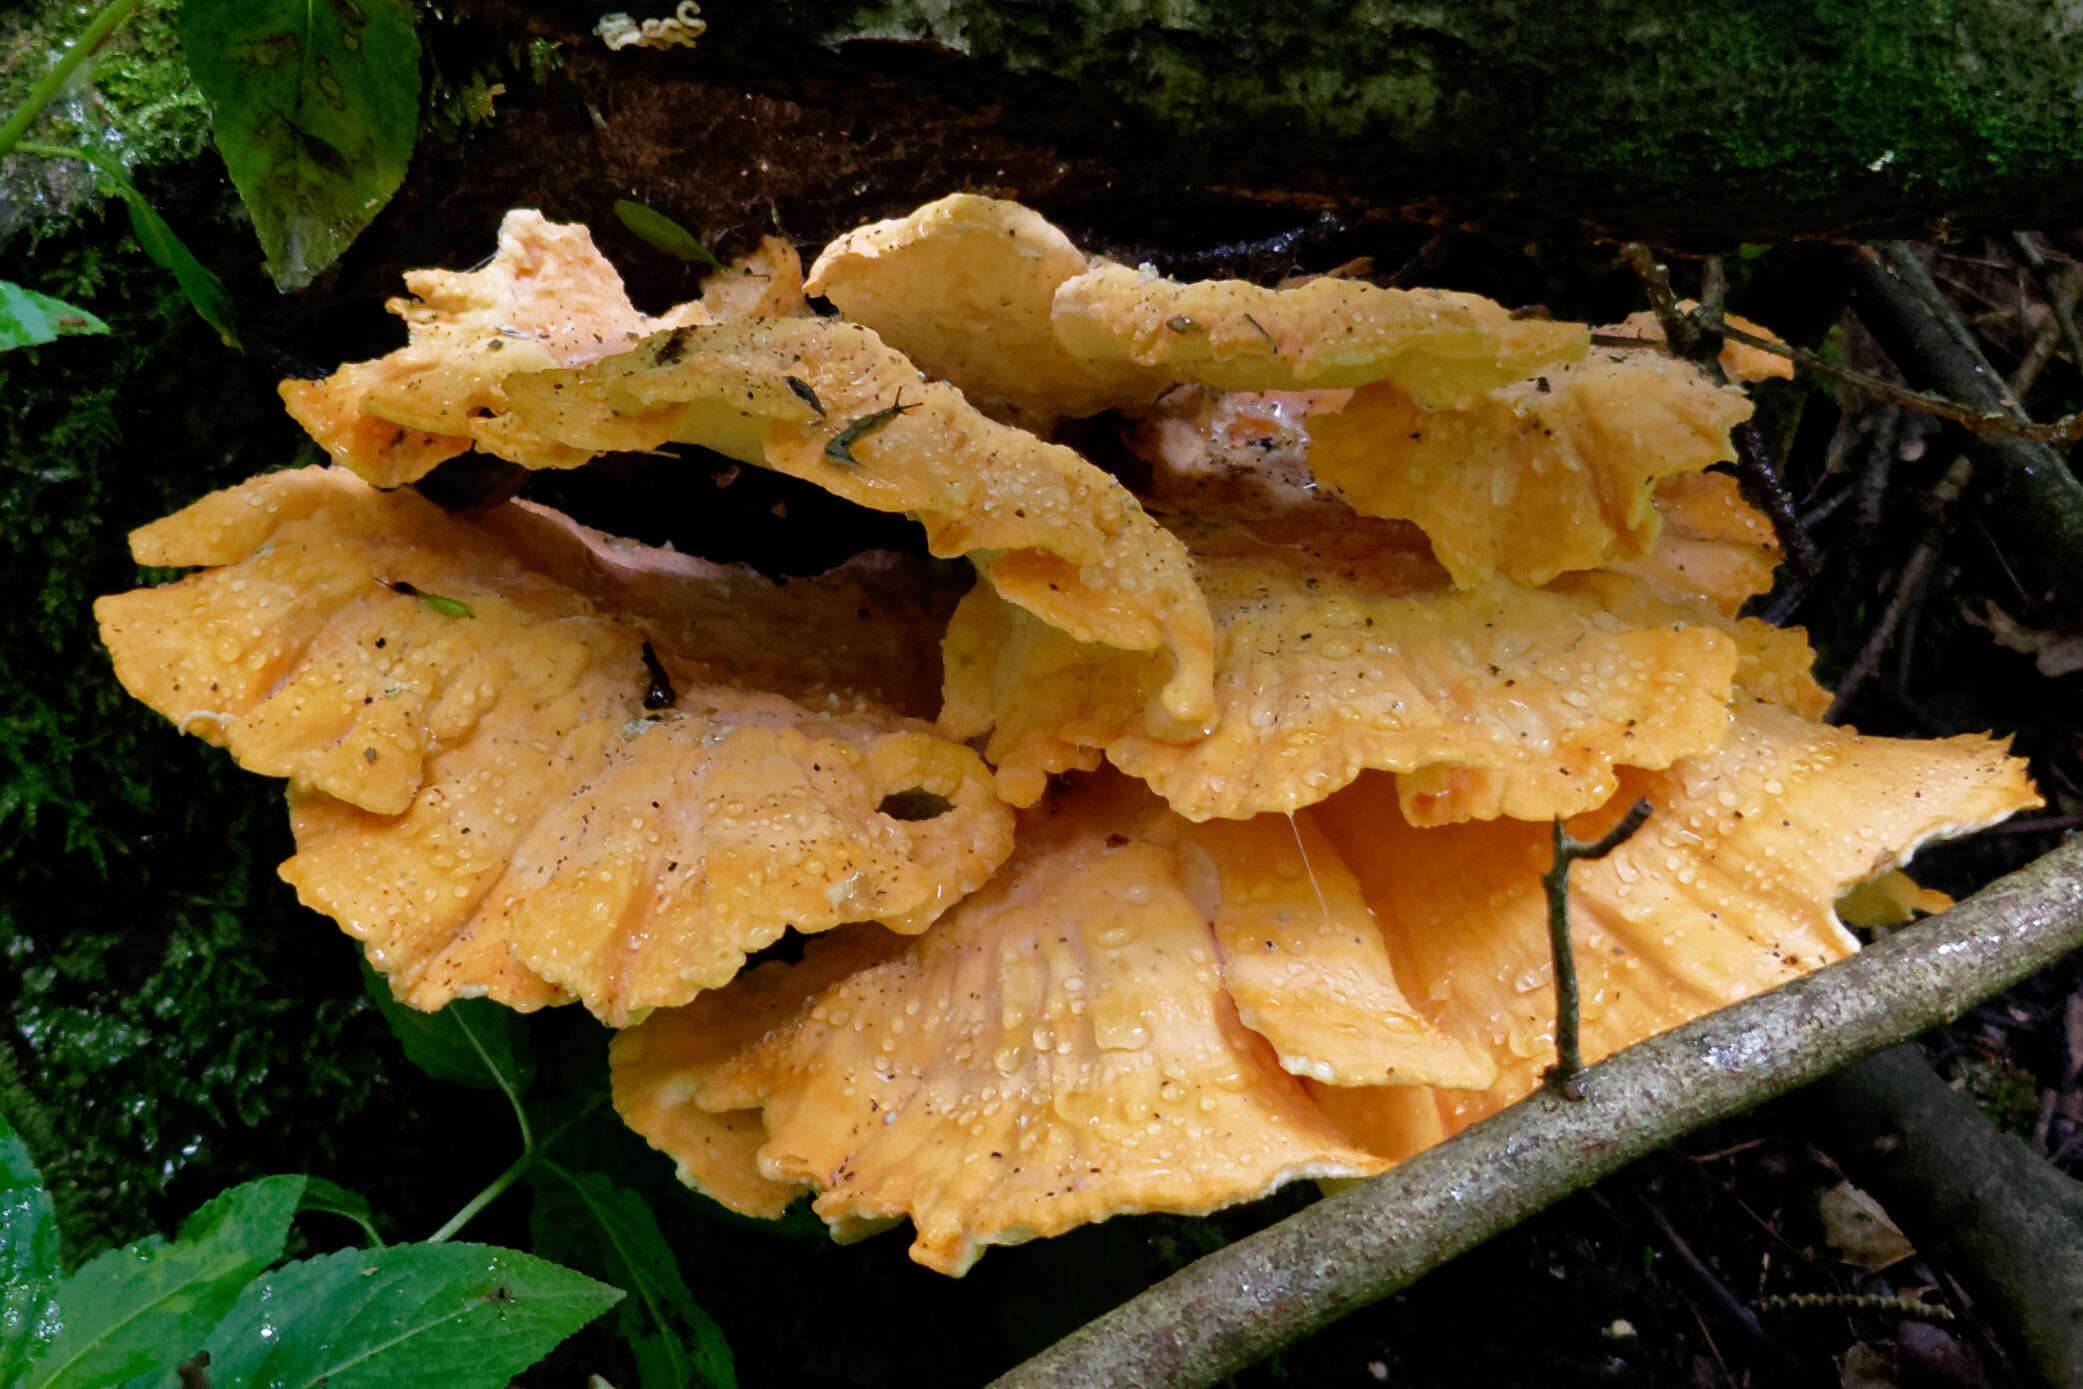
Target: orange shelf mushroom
[(1284, 723), (1071, 1043), (548, 298), (502, 788)]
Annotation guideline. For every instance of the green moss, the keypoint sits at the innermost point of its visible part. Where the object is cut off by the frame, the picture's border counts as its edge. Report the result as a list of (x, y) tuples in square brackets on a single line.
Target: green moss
[(159, 983), (1832, 110), (134, 100), (2007, 1094)]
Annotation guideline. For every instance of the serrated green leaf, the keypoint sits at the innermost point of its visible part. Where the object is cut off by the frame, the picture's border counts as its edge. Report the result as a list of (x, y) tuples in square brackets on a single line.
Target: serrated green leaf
[(314, 105), (457, 1315), (661, 231), (147, 1306), (472, 1041), (331, 1198), (29, 1266), (585, 1220), (28, 318)]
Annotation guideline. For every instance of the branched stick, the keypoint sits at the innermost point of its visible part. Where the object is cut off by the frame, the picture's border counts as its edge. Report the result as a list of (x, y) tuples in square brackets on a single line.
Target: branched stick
[(1685, 333), (1762, 487), (1567, 1072), (1220, 1314), (1696, 336)]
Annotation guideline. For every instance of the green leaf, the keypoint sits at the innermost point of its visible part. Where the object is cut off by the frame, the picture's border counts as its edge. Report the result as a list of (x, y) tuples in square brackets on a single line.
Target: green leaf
[(663, 232), (314, 105), (29, 1266), (456, 1315), (28, 318), (472, 1041), (585, 1220), (205, 292), (148, 1305), (331, 1198)]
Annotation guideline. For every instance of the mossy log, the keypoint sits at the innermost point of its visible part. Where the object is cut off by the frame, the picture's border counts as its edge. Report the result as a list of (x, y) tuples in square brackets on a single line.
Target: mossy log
[(1707, 123)]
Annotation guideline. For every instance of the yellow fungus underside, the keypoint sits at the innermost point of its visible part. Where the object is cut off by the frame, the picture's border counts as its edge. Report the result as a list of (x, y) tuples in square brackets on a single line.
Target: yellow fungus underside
[(1053, 534), (1713, 547)]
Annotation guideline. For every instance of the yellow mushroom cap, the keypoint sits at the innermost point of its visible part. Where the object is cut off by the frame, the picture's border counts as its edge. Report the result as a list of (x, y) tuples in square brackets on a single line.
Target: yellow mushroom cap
[(964, 288), (1534, 478), (1341, 646), (548, 298), (1437, 345), (488, 785)]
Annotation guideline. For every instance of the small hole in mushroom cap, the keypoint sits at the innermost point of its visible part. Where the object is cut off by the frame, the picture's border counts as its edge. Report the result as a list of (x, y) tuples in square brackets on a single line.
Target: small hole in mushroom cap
[(914, 803)]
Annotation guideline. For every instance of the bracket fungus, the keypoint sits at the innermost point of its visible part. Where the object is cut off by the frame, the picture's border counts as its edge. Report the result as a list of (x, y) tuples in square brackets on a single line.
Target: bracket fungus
[(1195, 850)]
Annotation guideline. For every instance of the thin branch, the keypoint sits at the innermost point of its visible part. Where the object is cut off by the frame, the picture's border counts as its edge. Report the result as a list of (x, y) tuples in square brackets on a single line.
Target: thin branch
[(1229, 1309), (1566, 1075), (2060, 287), (1761, 486)]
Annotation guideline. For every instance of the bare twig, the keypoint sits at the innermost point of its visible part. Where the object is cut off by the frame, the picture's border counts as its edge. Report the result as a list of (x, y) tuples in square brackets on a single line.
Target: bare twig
[(1761, 486), (1229, 1309), (1709, 1281), (1569, 1057), (2061, 288)]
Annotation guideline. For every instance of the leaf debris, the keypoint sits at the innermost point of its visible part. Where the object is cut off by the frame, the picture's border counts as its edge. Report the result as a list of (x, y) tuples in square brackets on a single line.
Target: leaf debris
[(839, 447)]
